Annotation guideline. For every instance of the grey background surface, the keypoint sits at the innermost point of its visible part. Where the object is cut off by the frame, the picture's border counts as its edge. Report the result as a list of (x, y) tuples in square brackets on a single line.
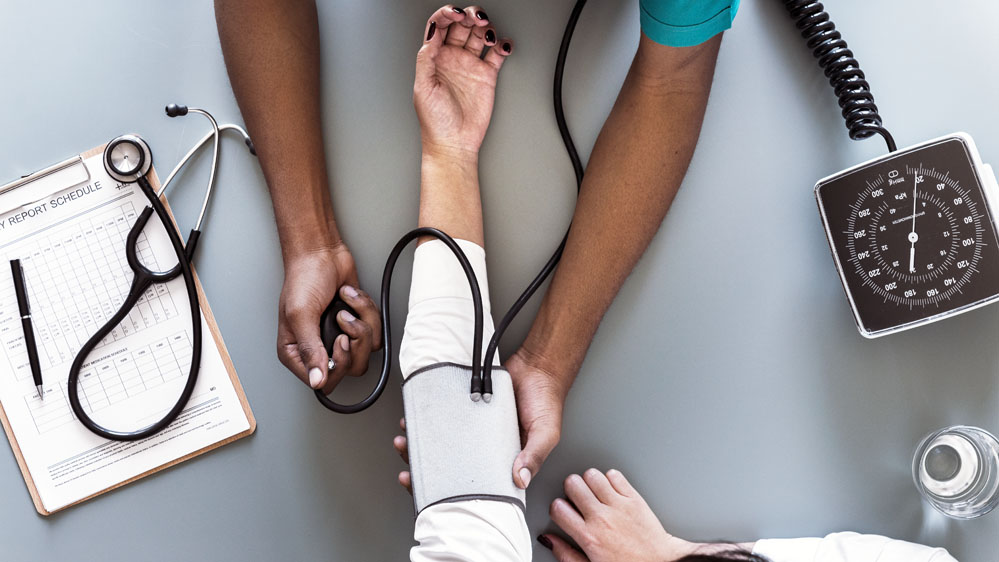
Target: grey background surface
[(727, 380)]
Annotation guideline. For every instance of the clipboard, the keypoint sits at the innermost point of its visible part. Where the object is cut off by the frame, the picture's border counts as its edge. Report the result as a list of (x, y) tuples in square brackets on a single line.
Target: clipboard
[(71, 173)]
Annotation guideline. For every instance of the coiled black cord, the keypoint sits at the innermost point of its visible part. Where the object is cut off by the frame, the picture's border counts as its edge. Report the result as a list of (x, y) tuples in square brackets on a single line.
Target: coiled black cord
[(841, 68)]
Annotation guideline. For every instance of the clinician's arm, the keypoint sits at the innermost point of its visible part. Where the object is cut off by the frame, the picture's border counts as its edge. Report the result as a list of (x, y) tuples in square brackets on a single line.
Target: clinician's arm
[(271, 50), (637, 165)]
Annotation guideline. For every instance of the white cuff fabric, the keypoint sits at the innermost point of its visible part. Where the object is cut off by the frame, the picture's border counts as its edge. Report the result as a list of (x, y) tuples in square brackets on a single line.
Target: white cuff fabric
[(472, 531), (441, 318), (439, 330), (848, 547)]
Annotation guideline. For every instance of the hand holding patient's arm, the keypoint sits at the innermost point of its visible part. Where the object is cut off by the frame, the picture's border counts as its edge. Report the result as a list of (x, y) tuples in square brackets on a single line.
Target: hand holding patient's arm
[(637, 165)]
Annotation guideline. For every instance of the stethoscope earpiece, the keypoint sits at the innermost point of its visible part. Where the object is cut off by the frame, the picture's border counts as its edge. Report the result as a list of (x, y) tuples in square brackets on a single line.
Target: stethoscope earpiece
[(174, 110)]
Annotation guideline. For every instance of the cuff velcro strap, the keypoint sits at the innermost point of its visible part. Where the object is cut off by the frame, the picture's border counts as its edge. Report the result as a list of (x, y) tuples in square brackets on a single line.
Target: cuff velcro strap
[(459, 449)]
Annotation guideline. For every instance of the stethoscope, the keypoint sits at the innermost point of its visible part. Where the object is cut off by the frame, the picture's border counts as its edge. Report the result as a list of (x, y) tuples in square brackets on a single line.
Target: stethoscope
[(128, 159)]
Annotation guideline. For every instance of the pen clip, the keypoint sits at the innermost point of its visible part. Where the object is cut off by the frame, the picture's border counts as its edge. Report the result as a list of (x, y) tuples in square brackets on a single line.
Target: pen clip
[(20, 289), (27, 296)]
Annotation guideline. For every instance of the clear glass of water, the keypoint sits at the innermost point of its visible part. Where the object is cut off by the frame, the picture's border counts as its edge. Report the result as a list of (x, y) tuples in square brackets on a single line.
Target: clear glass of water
[(956, 469)]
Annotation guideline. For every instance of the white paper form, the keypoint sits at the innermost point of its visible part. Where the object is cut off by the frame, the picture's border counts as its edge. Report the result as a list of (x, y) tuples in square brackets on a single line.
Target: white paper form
[(72, 248)]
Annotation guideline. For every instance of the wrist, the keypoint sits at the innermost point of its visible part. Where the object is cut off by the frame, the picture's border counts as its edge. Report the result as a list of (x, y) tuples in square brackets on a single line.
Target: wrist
[(555, 378), (443, 154), (550, 350), (306, 249), (686, 548)]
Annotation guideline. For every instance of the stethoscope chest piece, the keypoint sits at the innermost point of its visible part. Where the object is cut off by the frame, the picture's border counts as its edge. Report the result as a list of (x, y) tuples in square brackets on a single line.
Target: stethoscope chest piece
[(127, 157)]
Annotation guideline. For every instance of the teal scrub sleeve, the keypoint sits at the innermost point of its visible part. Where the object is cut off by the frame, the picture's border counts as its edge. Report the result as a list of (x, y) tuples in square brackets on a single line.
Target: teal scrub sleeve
[(685, 23)]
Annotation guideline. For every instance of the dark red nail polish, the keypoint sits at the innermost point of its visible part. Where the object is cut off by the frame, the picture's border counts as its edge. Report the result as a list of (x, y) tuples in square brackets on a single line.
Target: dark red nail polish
[(507, 48), (490, 36), (458, 10), (481, 15), (545, 541), (432, 30)]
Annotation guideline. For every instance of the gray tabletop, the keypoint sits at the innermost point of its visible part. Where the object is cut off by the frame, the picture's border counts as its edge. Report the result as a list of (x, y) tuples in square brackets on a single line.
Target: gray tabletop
[(727, 380)]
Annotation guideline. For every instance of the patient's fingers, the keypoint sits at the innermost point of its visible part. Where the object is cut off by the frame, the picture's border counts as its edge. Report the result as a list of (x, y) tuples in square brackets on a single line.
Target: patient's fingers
[(440, 21), (458, 34), (600, 486), (401, 446), (580, 495), (567, 518), (433, 38), (406, 481), (621, 483), (479, 39), (497, 53), (562, 550)]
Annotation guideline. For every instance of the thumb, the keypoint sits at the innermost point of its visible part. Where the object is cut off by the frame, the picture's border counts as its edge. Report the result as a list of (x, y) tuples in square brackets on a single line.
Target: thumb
[(433, 39), (562, 550), (541, 439), (305, 329)]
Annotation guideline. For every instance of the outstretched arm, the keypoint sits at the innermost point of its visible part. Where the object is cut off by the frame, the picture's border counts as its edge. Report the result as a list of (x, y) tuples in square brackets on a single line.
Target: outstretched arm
[(635, 170), (610, 521), (271, 50)]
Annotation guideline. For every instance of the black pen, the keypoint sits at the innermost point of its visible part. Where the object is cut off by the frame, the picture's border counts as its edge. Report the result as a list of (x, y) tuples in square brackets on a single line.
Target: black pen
[(29, 332)]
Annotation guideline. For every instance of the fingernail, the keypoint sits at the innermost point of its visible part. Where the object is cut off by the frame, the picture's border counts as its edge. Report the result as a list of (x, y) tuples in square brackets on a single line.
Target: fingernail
[(525, 476), (458, 10), (345, 344), (432, 30), (347, 316), (507, 48), (545, 541), (315, 377), (481, 15), (490, 36), (350, 291)]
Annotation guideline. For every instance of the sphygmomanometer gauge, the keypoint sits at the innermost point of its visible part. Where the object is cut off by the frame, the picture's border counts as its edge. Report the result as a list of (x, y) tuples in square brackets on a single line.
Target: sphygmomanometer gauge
[(913, 234)]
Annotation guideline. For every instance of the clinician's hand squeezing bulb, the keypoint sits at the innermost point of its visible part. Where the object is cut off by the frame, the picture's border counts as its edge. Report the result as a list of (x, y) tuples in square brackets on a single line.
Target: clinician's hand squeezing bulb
[(480, 385), (329, 330)]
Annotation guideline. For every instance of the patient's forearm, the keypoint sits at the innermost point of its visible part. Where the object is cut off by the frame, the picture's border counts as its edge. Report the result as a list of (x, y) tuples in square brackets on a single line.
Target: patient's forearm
[(449, 195), (637, 165)]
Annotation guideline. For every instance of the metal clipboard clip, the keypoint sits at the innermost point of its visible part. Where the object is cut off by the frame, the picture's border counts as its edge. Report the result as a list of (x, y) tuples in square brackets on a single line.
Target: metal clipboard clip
[(34, 187)]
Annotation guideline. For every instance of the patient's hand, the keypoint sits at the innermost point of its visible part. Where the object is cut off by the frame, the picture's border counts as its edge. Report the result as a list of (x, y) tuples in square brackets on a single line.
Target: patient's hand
[(455, 84), (610, 521)]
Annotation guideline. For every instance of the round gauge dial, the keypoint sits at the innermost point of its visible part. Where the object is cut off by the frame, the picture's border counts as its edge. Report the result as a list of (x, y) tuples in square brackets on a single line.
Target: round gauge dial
[(914, 236)]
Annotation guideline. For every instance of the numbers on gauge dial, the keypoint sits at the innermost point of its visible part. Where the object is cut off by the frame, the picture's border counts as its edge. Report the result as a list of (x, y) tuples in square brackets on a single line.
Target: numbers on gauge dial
[(914, 236)]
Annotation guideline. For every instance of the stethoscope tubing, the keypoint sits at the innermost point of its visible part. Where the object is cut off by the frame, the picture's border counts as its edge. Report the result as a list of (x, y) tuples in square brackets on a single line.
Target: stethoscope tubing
[(143, 278)]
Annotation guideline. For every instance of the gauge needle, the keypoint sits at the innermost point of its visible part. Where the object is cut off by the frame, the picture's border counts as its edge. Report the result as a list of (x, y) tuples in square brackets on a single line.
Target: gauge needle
[(913, 237)]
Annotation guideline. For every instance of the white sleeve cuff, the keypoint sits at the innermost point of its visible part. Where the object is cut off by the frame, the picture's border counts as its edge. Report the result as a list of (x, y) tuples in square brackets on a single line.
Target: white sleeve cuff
[(471, 531), (441, 317), (437, 273), (848, 547)]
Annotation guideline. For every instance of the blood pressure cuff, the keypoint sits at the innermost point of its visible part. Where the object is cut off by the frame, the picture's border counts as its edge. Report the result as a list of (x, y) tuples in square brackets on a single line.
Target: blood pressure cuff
[(459, 449)]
